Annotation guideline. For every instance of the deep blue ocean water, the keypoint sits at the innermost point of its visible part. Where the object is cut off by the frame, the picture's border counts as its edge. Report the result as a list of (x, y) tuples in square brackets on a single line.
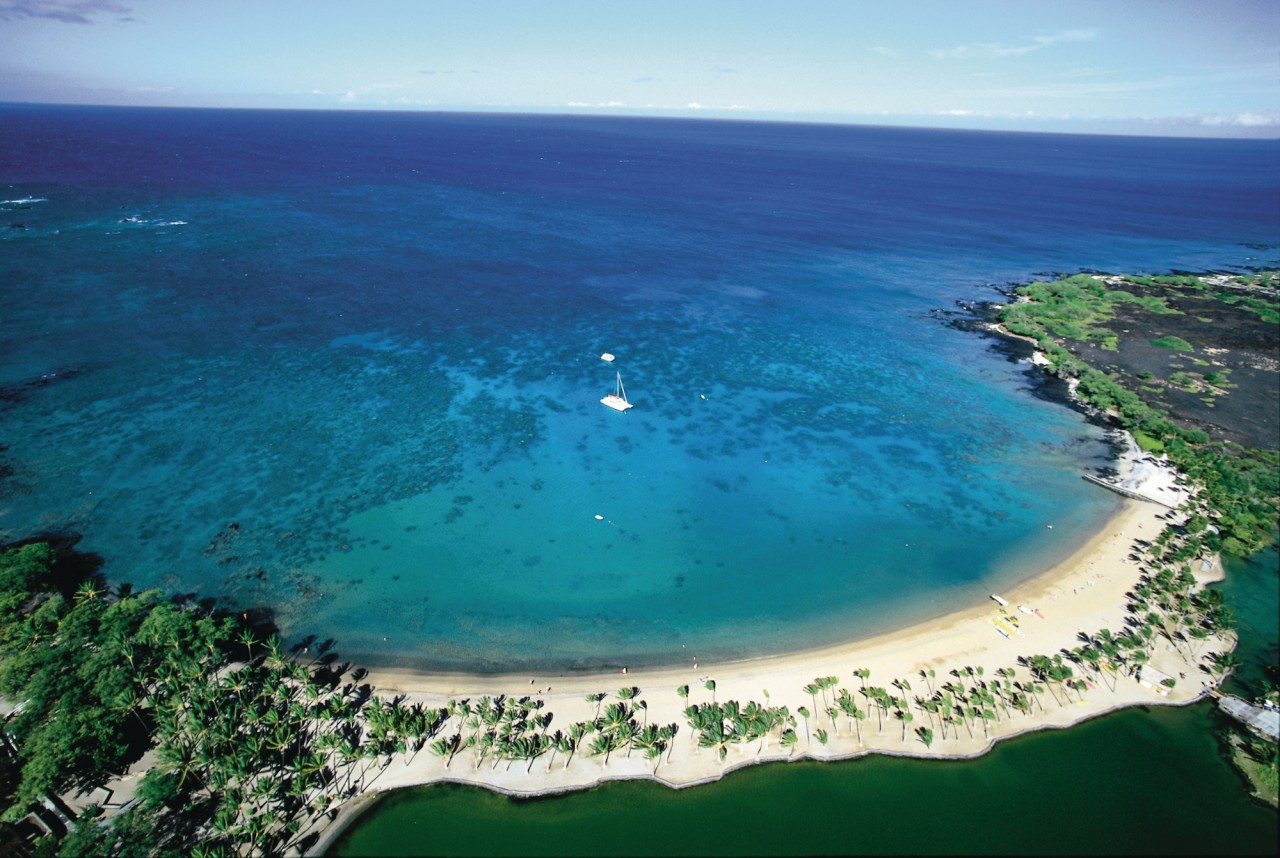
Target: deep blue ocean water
[(347, 366)]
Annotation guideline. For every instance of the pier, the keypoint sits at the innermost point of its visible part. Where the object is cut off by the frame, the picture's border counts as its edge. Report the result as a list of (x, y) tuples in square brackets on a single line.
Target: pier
[(1121, 490), (1260, 719)]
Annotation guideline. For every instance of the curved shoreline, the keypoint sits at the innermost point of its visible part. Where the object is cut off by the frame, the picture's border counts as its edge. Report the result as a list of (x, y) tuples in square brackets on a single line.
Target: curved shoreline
[(1086, 592)]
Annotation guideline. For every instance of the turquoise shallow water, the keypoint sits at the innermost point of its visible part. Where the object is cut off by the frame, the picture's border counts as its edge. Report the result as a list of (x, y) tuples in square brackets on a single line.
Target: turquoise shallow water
[(347, 367), (1137, 782), (731, 495)]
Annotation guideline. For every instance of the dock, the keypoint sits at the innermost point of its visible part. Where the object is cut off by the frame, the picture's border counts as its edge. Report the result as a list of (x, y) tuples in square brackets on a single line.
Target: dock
[(1261, 720), (1121, 490)]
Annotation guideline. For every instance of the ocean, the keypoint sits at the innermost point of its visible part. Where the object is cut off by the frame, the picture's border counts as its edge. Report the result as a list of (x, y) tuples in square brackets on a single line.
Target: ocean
[(347, 366)]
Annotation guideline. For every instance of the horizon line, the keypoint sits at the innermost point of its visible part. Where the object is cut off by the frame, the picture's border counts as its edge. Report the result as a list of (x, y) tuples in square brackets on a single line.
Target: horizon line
[(911, 121)]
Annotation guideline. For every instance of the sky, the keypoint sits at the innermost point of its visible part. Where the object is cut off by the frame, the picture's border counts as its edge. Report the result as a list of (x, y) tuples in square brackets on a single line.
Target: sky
[(1159, 67)]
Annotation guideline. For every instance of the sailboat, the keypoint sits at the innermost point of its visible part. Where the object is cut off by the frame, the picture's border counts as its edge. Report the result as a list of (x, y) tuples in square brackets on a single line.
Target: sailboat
[(618, 399)]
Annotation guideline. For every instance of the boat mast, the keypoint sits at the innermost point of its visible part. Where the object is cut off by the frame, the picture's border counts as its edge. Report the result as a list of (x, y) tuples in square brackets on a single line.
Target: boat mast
[(621, 390)]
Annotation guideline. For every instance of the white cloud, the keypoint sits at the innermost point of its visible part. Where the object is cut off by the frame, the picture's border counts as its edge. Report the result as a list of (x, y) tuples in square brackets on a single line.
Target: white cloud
[(349, 97), (959, 111), (66, 11), (1238, 120), (1066, 36), (994, 49)]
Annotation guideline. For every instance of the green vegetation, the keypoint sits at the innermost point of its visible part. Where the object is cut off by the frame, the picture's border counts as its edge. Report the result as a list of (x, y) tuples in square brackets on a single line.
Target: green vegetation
[(1172, 342), (252, 751), (1239, 487), (249, 751), (1267, 310), (1257, 760), (1075, 308), (249, 748), (1255, 755)]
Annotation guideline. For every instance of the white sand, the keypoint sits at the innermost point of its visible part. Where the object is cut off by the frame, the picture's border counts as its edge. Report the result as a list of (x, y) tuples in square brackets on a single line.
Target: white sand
[(1086, 592)]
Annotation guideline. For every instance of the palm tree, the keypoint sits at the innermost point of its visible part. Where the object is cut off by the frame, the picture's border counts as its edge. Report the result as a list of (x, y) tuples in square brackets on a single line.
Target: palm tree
[(715, 737), (654, 745), (577, 730), (1042, 667), (825, 683), (626, 735), (1038, 690), (788, 740), (711, 686), (615, 715), (535, 746), (248, 639), (88, 591), (984, 698), (557, 743), (873, 699), (647, 738), (804, 713), (988, 715), (928, 706), (446, 747), (926, 736), (1094, 658), (668, 734), (1221, 663), (847, 705), (596, 698), (812, 690)]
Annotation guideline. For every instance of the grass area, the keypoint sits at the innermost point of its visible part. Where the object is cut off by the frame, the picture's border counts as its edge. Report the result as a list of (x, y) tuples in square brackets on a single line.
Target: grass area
[(1075, 308), (1172, 342), (1256, 759)]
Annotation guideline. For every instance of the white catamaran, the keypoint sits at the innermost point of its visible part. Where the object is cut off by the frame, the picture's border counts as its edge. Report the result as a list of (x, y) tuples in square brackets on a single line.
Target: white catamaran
[(618, 399)]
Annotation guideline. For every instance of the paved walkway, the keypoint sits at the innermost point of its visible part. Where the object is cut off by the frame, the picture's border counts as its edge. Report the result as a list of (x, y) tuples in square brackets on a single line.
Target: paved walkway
[(1265, 721)]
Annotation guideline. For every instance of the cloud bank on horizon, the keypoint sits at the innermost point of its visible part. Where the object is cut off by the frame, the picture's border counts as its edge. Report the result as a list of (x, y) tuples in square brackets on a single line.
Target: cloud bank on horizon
[(1181, 67)]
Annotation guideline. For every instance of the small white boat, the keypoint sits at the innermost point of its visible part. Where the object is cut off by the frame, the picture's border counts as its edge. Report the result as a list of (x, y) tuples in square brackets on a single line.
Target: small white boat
[(607, 357), (618, 399), (1002, 602)]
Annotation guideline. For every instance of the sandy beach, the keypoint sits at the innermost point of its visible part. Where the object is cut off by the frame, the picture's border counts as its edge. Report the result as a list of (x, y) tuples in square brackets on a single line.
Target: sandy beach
[(1084, 593)]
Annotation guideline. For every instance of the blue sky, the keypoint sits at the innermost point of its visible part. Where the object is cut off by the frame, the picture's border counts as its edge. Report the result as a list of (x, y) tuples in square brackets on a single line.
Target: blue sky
[(1169, 67)]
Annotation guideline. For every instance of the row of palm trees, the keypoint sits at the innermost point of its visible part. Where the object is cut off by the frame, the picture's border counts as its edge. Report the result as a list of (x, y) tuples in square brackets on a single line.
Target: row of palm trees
[(263, 747), (718, 726), (504, 729)]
